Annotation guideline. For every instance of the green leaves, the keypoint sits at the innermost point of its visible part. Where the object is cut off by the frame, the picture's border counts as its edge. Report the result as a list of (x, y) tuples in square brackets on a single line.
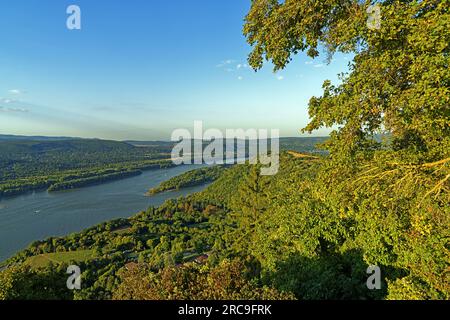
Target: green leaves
[(385, 185), (277, 30)]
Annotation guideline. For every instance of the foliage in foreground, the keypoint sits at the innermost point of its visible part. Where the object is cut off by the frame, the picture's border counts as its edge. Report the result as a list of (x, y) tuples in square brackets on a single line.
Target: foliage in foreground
[(388, 199), (192, 282), (313, 229)]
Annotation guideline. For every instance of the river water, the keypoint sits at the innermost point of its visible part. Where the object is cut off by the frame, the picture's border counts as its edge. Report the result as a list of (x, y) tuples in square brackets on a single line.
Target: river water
[(39, 215)]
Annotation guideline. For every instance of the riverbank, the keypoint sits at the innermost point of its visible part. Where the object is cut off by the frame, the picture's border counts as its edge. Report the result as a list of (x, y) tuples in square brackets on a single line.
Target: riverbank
[(43, 214), (74, 179)]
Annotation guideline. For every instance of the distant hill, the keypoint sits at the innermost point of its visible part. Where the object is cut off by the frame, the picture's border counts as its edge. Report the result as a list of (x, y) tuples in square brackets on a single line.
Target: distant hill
[(34, 147), (10, 137), (26, 158), (299, 144), (302, 144)]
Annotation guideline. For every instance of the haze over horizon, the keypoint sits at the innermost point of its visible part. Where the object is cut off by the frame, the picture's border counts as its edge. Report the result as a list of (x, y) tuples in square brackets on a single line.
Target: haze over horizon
[(132, 74), (26, 137)]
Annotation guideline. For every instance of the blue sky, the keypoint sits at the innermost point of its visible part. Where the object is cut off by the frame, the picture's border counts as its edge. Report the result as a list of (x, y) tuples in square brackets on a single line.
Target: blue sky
[(140, 68)]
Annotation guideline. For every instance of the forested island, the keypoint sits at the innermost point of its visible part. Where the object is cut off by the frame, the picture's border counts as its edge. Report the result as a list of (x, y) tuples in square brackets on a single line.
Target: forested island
[(190, 179)]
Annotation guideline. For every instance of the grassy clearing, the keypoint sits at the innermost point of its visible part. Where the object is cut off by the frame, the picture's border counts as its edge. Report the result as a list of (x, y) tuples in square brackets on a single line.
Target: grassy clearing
[(123, 230), (44, 260)]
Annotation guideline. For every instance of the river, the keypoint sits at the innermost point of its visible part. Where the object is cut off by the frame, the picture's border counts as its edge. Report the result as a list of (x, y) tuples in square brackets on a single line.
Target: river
[(39, 215)]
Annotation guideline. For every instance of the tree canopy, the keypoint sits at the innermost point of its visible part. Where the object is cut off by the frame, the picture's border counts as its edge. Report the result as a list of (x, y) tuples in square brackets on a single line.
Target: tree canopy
[(385, 187), (398, 82)]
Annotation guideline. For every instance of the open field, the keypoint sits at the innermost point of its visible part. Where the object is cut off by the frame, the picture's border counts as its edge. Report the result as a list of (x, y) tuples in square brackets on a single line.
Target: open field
[(44, 260)]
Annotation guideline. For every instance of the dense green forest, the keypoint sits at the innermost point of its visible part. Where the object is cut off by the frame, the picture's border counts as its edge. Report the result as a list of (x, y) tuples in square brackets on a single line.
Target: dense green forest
[(55, 164), (189, 179)]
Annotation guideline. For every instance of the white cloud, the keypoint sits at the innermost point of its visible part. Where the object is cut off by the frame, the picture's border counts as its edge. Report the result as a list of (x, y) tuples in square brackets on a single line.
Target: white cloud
[(11, 105), (231, 65), (7, 101), (242, 66), (225, 63), (237, 68), (279, 78), (315, 65), (15, 91), (3, 109)]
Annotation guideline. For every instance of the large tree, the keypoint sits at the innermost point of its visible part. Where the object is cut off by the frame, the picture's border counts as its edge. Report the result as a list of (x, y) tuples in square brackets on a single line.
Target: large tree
[(399, 78), (392, 195)]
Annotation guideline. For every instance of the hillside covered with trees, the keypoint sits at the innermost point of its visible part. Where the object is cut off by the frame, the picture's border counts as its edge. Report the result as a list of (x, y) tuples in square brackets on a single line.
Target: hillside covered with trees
[(29, 164), (274, 237)]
